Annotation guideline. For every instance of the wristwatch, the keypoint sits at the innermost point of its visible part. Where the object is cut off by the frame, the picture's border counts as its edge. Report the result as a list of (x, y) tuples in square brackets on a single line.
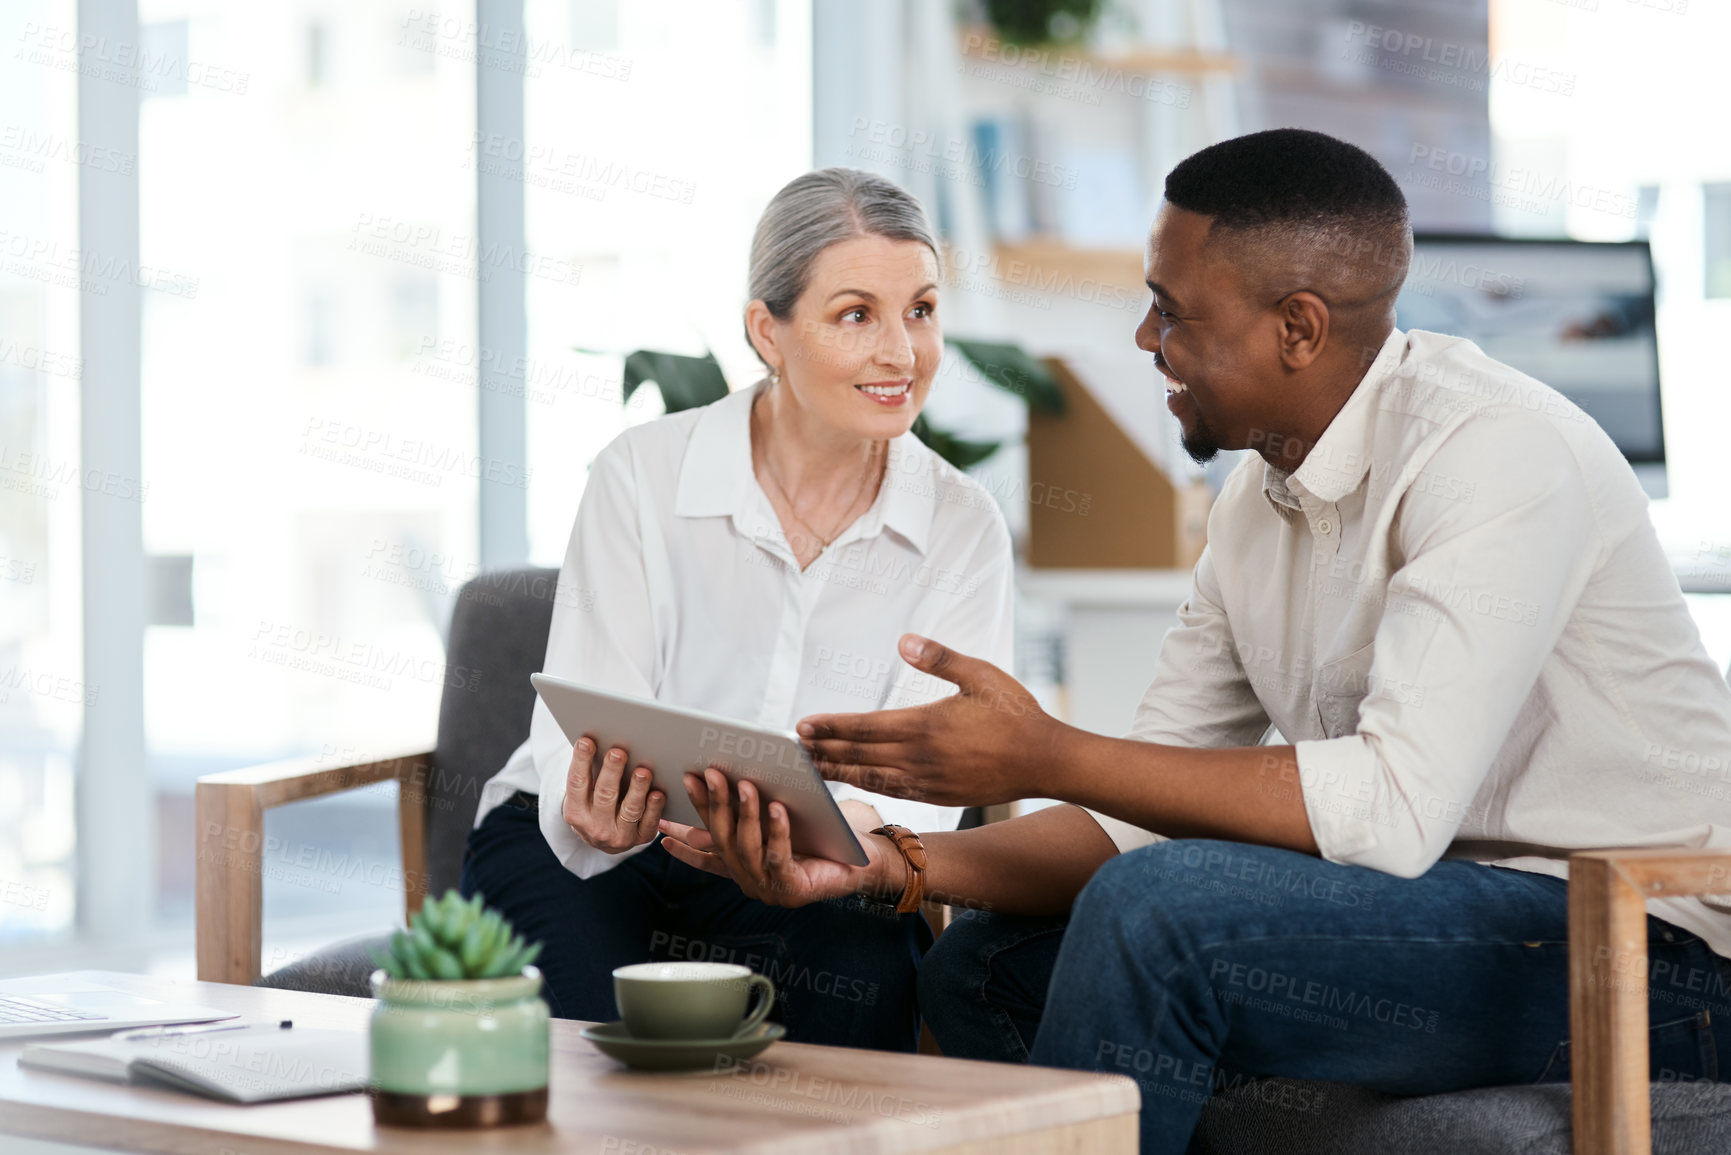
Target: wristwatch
[(913, 852)]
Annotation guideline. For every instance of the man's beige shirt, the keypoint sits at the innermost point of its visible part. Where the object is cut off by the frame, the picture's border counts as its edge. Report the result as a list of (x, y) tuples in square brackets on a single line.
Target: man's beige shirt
[(1459, 612)]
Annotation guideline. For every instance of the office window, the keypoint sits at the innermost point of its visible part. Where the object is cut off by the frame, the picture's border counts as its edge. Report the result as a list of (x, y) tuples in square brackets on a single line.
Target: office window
[(321, 325), (298, 453), (170, 600), (763, 22), (414, 313), (164, 45), (43, 697), (414, 50), (318, 51), (1646, 209), (594, 24), (1716, 238), (656, 134)]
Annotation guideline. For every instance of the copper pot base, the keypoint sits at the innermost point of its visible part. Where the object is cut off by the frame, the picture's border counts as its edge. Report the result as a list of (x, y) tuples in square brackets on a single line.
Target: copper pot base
[(396, 1109)]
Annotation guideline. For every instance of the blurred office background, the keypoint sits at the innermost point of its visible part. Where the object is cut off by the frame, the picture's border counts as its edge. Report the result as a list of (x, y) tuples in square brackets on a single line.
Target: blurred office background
[(309, 311)]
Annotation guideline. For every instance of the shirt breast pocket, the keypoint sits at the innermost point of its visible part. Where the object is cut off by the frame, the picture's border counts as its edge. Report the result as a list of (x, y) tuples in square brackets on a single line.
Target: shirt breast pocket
[(1341, 685)]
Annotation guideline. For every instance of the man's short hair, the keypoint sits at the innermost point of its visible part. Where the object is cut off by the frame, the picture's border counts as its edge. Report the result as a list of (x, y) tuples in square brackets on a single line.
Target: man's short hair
[(1286, 176), (1301, 189)]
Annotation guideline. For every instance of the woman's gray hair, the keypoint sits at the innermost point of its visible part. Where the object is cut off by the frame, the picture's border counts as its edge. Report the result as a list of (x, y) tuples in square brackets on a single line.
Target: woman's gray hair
[(813, 212)]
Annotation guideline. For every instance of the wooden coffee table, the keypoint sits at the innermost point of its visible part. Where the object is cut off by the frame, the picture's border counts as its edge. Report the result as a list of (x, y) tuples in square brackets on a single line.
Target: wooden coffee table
[(792, 1100)]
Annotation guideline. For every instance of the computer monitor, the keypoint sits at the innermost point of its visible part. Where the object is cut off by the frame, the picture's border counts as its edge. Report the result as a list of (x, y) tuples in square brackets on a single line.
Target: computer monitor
[(1577, 315)]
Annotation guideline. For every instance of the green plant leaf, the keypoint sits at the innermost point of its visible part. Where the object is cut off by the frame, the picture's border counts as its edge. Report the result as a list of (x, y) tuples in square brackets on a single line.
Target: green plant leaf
[(1035, 22), (422, 940), (456, 918), (685, 382), (409, 951), (957, 451), (501, 963), (473, 951), (450, 911), (444, 964), (518, 959), (490, 932), (401, 953), (1011, 369)]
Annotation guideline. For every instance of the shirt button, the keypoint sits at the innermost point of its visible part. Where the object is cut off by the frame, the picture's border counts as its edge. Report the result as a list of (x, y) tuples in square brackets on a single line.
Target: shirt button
[(1325, 526)]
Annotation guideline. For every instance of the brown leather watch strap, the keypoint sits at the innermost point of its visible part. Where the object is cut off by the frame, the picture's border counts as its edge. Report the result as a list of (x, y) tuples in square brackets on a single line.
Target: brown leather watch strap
[(913, 852)]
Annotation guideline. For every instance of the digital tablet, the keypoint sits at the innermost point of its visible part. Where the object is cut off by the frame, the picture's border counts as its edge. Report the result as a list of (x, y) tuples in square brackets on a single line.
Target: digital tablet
[(671, 740)]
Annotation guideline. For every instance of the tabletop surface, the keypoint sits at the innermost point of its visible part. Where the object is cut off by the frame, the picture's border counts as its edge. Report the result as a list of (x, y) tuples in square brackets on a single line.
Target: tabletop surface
[(791, 1099)]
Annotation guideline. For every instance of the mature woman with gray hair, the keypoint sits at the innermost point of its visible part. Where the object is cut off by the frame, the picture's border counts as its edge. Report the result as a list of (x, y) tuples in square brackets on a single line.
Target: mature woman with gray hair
[(758, 559)]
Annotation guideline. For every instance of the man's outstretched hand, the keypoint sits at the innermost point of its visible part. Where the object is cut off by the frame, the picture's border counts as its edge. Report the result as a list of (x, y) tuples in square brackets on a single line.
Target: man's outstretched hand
[(990, 742)]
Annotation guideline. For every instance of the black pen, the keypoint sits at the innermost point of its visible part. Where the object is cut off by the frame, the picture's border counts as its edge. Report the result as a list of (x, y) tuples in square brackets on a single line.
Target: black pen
[(170, 1032)]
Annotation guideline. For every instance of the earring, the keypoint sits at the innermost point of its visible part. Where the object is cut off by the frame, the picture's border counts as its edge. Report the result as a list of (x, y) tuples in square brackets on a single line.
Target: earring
[(775, 376)]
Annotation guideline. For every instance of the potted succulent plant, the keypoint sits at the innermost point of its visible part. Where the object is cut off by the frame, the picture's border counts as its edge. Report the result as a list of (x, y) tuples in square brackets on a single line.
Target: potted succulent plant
[(459, 1037)]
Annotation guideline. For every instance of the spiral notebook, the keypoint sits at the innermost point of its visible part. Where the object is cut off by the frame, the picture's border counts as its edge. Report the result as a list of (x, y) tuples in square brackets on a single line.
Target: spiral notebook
[(253, 1064)]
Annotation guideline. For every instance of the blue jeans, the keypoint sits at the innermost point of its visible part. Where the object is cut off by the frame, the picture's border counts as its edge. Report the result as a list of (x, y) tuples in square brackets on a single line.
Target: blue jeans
[(844, 972), (1191, 966)]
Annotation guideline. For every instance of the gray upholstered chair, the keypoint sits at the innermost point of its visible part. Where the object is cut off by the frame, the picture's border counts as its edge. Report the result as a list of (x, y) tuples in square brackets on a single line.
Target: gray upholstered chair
[(1337, 1119), (498, 637)]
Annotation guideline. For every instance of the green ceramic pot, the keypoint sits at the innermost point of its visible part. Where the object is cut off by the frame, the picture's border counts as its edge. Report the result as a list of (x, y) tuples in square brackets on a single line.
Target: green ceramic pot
[(459, 1054)]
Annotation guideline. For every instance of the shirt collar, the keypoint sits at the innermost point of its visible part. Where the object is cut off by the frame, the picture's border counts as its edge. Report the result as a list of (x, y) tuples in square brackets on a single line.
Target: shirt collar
[(716, 479), (715, 475), (1337, 464)]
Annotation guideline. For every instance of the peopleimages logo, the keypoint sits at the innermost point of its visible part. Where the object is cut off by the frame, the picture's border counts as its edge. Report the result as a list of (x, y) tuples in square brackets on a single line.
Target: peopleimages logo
[(956, 151), (585, 174), (774, 761), (1447, 62), (1460, 172), (85, 269), (122, 62), (1442, 270), (1065, 75), (383, 451), (33, 149), (1280, 988)]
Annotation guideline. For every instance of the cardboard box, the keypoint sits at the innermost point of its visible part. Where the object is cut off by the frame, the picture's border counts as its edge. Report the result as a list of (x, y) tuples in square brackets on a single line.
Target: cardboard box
[(1096, 501)]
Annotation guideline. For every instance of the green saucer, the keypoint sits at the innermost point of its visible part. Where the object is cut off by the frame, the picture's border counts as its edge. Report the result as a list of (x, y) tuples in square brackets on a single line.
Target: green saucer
[(712, 1055)]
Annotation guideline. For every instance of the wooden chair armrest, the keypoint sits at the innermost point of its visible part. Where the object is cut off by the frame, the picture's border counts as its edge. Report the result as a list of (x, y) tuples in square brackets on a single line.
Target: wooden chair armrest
[(1608, 1014), (230, 810)]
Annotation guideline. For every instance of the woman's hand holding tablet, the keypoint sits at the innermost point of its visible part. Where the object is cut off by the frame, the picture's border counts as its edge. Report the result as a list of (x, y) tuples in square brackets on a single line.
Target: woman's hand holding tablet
[(598, 811), (752, 844)]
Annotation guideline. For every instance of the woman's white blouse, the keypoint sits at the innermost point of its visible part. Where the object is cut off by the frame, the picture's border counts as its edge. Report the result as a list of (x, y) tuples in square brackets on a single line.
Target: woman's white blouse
[(679, 585)]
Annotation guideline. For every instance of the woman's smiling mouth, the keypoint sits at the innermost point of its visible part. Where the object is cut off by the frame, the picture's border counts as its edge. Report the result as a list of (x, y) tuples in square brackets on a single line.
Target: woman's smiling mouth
[(889, 393)]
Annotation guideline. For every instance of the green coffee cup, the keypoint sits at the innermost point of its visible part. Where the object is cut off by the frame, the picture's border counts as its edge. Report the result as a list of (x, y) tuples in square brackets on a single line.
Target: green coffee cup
[(690, 1000)]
